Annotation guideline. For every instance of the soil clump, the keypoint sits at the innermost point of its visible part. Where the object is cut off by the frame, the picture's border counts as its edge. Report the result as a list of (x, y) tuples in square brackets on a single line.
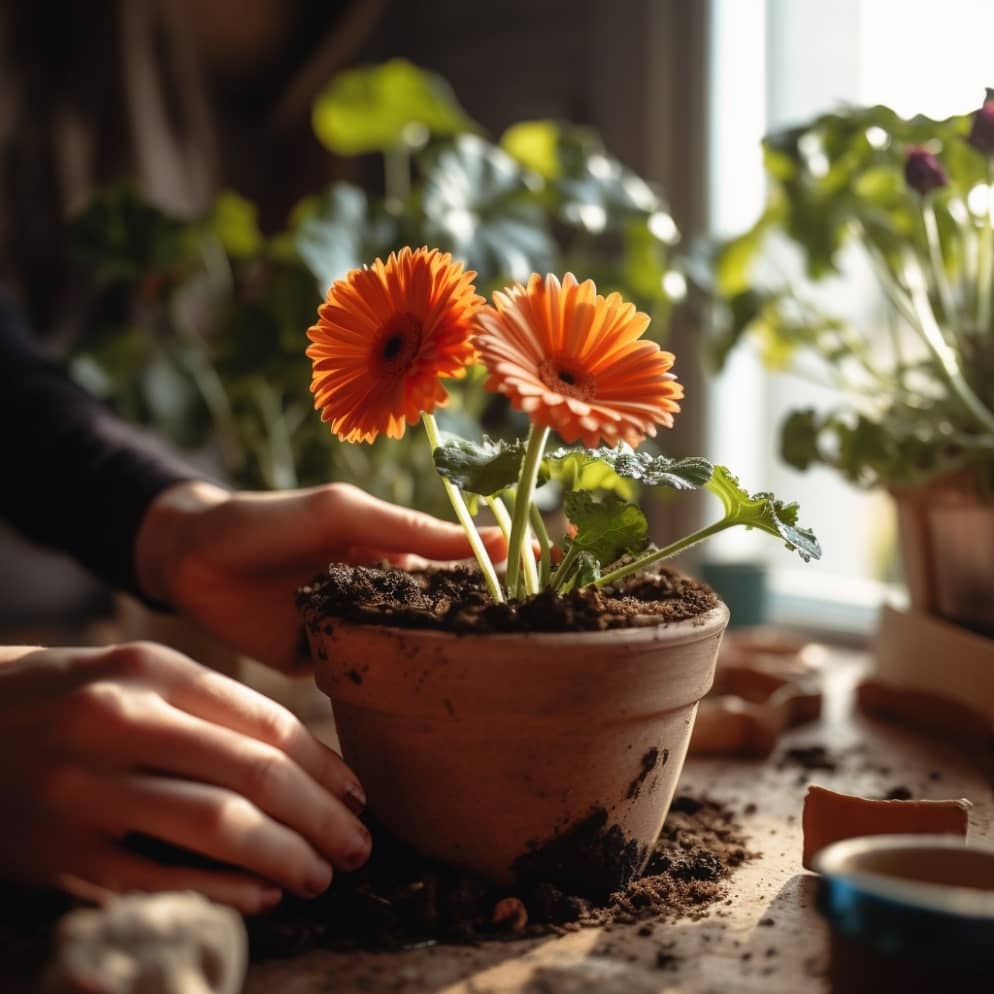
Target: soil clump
[(401, 900), (456, 600)]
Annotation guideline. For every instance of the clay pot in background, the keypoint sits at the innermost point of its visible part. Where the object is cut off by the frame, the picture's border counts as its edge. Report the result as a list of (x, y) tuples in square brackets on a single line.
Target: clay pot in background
[(521, 757), (947, 533), (909, 913)]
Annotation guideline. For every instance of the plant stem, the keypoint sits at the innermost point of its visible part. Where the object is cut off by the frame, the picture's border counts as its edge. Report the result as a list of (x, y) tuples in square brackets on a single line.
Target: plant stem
[(938, 264), (280, 471), (985, 263), (499, 510), (397, 176), (944, 354), (665, 553), (538, 526), (465, 518), (522, 502), (564, 569)]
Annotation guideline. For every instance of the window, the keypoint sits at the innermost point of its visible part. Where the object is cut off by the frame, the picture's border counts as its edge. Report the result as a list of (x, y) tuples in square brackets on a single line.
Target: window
[(775, 63)]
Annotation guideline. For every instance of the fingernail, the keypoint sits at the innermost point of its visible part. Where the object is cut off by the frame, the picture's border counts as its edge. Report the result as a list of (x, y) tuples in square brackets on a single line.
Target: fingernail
[(358, 853), (318, 878), (355, 799), (269, 898)]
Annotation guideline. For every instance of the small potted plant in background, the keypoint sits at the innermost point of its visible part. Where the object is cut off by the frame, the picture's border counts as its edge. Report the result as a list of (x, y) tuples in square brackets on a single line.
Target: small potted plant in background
[(917, 417), (530, 726)]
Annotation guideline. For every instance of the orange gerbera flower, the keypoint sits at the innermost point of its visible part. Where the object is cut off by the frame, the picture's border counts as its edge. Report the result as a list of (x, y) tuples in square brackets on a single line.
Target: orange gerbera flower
[(573, 361), (385, 335)]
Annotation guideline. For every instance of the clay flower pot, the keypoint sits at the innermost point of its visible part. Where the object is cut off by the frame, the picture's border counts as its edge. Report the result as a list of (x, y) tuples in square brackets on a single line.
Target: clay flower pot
[(523, 757), (909, 913)]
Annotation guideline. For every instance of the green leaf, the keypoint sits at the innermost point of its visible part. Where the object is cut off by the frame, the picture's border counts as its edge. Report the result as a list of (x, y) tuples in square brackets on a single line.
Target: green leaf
[(486, 467), (606, 528), (480, 205), (535, 144), (328, 236), (121, 236), (763, 511), (799, 439), (236, 222), (382, 107), (589, 469), (587, 570)]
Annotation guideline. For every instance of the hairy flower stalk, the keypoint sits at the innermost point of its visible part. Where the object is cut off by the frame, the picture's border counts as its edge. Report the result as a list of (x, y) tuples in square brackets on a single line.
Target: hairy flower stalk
[(458, 503), (522, 502)]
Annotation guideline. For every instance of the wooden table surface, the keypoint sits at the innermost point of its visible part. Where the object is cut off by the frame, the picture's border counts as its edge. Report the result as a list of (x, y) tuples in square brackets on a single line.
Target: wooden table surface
[(767, 938)]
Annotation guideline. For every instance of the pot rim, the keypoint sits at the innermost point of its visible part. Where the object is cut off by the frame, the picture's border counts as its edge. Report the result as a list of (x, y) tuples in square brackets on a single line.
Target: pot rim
[(839, 862), (670, 633)]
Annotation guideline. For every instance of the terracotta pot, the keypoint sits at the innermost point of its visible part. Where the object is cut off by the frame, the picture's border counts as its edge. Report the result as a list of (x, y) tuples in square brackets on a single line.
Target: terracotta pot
[(946, 533), (538, 756), (909, 913)]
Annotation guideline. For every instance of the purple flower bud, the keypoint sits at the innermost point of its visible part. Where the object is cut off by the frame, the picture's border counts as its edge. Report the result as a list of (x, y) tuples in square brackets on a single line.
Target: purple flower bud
[(923, 171), (982, 129)]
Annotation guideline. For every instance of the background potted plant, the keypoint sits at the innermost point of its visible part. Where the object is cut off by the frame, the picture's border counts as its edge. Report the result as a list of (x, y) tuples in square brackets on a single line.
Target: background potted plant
[(913, 197), (531, 726)]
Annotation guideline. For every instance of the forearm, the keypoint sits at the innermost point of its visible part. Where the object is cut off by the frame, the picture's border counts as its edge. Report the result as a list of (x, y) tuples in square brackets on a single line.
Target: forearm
[(80, 479)]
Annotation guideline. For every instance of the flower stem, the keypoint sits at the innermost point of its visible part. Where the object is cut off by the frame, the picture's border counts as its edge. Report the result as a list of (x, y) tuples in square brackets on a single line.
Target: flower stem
[(944, 354), (658, 555), (465, 518), (565, 568), (538, 526), (985, 263), (499, 510), (938, 264), (397, 176), (522, 502)]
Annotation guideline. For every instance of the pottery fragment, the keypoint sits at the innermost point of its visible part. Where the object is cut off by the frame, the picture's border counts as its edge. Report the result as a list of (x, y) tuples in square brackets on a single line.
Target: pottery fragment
[(830, 817)]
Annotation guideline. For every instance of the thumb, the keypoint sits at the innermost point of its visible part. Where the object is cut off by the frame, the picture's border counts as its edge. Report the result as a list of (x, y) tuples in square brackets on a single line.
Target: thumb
[(381, 525)]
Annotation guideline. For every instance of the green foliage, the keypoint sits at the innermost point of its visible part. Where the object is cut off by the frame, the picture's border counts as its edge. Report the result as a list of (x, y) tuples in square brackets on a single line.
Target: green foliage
[(589, 469), (763, 511), (383, 107), (837, 184), (197, 328), (479, 204), (485, 467), (607, 526)]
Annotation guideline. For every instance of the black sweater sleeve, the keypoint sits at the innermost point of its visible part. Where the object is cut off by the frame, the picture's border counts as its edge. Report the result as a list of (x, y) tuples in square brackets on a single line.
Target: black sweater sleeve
[(74, 476)]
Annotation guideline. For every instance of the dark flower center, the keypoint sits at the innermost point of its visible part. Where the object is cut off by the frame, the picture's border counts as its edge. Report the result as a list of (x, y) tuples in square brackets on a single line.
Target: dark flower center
[(567, 378), (392, 346), (398, 344)]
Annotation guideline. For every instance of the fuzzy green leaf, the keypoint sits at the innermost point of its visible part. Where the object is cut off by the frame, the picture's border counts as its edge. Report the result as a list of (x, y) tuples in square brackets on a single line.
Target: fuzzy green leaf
[(486, 467), (606, 528), (763, 511), (594, 469)]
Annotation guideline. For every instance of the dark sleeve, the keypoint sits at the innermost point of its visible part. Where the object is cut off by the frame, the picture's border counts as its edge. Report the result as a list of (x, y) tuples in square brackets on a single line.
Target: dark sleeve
[(74, 476)]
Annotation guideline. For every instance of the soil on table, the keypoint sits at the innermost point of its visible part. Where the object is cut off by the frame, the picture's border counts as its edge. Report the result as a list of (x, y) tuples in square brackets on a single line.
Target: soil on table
[(402, 900), (456, 600)]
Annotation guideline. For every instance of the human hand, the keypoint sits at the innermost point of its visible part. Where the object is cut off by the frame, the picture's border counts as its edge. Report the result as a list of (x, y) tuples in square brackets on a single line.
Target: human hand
[(96, 744), (233, 562)]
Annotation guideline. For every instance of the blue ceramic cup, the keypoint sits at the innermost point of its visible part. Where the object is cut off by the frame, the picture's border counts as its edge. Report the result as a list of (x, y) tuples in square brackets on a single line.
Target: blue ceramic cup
[(909, 913)]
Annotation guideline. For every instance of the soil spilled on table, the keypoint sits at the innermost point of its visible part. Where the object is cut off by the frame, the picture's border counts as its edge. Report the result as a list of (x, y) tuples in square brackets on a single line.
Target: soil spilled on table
[(401, 900), (456, 600)]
